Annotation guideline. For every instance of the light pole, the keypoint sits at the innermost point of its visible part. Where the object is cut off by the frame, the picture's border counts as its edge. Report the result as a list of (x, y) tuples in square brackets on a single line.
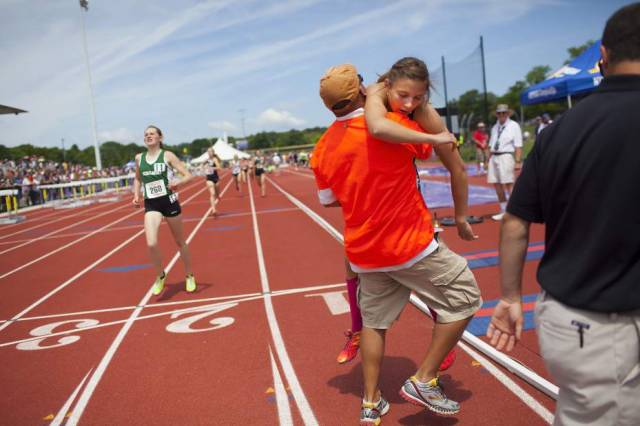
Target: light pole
[(242, 111), (84, 5)]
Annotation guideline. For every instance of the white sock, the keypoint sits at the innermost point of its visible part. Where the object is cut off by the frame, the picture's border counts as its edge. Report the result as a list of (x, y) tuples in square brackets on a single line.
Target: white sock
[(364, 401), (503, 206)]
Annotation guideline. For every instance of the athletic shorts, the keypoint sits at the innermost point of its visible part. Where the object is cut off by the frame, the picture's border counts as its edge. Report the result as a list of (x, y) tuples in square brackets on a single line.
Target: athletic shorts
[(442, 280), (167, 205), (501, 168), (259, 172), (213, 177)]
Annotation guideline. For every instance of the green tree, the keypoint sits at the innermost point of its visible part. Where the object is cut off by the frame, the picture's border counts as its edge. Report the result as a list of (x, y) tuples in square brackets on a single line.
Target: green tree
[(576, 51), (537, 74)]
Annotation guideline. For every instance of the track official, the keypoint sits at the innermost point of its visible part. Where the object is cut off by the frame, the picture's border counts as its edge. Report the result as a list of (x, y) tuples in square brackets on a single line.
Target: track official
[(582, 180)]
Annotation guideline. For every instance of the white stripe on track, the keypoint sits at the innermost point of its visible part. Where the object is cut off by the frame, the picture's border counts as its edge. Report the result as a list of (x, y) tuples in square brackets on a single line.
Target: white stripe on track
[(120, 228), (44, 256), (180, 302), (226, 301), (282, 399), (515, 389), (52, 221), (59, 418), (61, 229), (104, 363), (307, 175), (79, 274), (530, 401), (199, 308), (303, 405)]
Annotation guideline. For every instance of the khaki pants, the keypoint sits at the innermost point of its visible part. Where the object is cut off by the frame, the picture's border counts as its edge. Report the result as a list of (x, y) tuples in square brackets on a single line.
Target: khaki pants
[(442, 280), (599, 381)]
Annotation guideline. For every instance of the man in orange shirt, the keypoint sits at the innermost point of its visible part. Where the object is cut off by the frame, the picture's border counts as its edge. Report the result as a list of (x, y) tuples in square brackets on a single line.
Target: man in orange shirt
[(389, 240)]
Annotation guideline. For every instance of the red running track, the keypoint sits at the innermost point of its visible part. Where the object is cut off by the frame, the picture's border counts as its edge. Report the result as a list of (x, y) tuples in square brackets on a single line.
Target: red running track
[(84, 342)]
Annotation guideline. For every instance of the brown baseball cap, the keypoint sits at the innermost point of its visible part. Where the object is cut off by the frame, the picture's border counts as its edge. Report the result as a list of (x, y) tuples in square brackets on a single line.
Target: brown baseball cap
[(339, 84)]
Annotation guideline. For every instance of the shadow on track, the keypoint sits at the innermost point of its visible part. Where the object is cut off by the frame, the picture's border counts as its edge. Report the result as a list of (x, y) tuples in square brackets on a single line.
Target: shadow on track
[(170, 290)]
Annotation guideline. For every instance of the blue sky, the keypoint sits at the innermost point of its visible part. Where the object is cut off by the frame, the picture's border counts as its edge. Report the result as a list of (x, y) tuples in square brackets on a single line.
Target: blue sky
[(195, 68)]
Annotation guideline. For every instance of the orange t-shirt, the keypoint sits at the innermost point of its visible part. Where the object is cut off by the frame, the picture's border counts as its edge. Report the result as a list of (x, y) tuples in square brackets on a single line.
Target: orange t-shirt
[(387, 221)]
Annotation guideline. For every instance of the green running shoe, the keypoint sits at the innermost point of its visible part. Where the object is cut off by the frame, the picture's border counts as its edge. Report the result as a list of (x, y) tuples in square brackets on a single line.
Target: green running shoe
[(190, 283), (158, 285)]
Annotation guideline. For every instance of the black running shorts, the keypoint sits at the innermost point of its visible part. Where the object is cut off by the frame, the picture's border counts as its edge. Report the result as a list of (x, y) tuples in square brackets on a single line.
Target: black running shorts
[(167, 205), (213, 177)]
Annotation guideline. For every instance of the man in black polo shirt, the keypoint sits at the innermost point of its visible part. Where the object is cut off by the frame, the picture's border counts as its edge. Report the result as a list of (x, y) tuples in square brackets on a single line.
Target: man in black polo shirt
[(582, 180)]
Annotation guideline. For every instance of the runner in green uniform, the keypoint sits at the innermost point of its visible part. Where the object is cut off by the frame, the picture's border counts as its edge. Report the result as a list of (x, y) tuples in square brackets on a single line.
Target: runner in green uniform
[(161, 200)]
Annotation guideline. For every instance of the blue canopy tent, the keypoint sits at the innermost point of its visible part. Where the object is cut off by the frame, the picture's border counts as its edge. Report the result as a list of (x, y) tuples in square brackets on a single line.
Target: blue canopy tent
[(580, 76)]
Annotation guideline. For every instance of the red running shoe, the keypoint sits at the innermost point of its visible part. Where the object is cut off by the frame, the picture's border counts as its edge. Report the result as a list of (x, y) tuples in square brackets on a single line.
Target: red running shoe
[(448, 360), (350, 350)]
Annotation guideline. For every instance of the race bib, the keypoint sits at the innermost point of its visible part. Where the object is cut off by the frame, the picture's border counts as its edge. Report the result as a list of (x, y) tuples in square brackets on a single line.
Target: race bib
[(155, 189)]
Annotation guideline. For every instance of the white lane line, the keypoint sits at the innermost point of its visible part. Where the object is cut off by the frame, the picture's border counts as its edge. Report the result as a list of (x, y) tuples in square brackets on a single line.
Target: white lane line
[(71, 243), (59, 418), (313, 215), (282, 399), (226, 301), (50, 222), (334, 233), (530, 401), (79, 274), (303, 405), (307, 175), (104, 363), (221, 216), (180, 302), (31, 241), (199, 308)]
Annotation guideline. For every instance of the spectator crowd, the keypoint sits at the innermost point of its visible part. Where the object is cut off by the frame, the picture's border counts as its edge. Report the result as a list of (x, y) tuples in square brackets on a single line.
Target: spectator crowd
[(29, 173)]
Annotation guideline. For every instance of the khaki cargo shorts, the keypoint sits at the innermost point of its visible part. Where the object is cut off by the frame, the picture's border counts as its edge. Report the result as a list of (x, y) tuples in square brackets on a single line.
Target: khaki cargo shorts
[(442, 280)]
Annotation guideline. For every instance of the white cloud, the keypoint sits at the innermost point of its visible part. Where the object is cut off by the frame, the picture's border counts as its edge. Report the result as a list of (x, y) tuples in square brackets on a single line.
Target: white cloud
[(118, 135), (225, 126), (274, 118)]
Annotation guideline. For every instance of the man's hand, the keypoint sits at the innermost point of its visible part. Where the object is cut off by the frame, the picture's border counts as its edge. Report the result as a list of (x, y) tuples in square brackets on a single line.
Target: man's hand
[(464, 230), (518, 165), (505, 328)]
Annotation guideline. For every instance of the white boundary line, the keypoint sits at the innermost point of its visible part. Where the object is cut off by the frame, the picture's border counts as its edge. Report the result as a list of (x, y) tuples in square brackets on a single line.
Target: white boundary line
[(307, 175), (308, 417), (498, 356), (79, 274), (121, 228), (61, 229), (282, 399), (108, 356), (52, 221), (226, 301), (71, 243), (530, 401), (180, 302), (59, 418)]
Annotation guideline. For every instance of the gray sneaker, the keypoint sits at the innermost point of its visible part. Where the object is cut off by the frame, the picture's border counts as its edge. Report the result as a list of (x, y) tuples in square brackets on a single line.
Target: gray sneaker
[(430, 395), (370, 412)]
